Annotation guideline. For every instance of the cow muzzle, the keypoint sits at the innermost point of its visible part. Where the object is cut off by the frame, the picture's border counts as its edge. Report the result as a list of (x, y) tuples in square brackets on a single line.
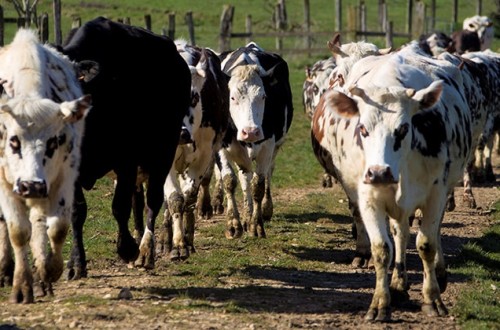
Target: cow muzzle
[(185, 136), (251, 134), (379, 175), (31, 189)]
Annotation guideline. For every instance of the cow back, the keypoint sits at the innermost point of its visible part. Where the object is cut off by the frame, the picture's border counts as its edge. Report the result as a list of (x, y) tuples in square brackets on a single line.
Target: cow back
[(140, 96)]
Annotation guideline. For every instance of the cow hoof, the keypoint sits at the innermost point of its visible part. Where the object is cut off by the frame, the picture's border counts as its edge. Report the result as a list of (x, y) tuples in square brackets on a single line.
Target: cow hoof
[(127, 248), (39, 290), (380, 315), (360, 261), (434, 309), (76, 273), (18, 297), (469, 201)]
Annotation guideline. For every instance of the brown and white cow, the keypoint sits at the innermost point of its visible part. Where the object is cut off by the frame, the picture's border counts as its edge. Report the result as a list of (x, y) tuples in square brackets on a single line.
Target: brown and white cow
[(483, 25), (346, 55), (399, 140), (261, 112), (41, 129)]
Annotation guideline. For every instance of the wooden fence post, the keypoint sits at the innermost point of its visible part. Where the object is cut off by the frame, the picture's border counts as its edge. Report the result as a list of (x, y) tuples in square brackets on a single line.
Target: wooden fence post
[(226, 22), (388, 35), (338, 15), (171, 25), (432, 25), (454, 15), (280, 22), (190, 24), (351, 23), (248, 28), (362, 16), (419, 22), (479, 7), (409, 17), (44, 28), (383, 17), (2, 27), (147, 22), (307, 27), (57, 22)]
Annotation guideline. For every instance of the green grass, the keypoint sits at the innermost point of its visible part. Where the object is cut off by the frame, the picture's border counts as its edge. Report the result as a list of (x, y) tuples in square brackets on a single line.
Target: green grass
[(478, 307)]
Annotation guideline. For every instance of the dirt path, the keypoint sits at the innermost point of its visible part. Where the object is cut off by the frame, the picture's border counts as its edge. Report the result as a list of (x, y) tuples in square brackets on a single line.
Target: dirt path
[(277, 298)]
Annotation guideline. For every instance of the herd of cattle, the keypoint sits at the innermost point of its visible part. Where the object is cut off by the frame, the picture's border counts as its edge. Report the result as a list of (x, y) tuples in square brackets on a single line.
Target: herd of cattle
[(397, 129)]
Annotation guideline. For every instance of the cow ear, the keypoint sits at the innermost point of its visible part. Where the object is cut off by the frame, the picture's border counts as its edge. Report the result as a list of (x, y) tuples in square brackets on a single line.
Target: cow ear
[(87, 70), (430, 95), (340, 103), (334, 46), (75, 110)]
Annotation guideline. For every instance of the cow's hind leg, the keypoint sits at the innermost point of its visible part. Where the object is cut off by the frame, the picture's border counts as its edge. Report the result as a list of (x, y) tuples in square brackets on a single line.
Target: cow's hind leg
[(127, 247), (154, 202), (77, 263), (6, 259), (256, 227)]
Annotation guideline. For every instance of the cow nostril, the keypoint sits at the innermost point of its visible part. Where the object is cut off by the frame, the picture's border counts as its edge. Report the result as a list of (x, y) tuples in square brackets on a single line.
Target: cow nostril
[(31, 189)]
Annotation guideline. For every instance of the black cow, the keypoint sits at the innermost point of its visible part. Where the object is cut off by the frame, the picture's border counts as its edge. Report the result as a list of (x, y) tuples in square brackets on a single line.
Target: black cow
[(261, 112), (140, 96)]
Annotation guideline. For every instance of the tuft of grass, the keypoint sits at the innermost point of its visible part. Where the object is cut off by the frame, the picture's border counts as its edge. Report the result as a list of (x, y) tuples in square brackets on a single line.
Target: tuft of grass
[(478, 306)]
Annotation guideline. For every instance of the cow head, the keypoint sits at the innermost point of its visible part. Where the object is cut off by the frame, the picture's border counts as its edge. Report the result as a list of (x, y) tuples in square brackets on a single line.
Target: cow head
[(36, 137), (483, 25), (346, 55), (316, 83), (192, 120), (384, 126), (247, 101)]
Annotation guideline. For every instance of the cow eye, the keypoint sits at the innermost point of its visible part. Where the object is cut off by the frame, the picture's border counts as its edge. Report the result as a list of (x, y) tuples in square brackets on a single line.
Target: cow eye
[(401, 131), (15, 144), (363, 130)]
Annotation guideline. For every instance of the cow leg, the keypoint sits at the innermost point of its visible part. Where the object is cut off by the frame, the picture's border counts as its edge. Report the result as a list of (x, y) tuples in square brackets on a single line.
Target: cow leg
[(138, 212), (19, 229), (38, 244), (77, 263), (122, 206), (204, 207), (326, 180), (362, 254), (245, 177), (6, 259), (429, 250), (154, 202), (173, 219), (374, 218), (234, 228), (267, 202), (488, 168), (218, 195), (399, 281), (468, 196)]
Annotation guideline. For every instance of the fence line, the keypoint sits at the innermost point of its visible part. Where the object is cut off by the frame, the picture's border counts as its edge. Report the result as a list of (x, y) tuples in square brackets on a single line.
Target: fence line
[(417, 22)]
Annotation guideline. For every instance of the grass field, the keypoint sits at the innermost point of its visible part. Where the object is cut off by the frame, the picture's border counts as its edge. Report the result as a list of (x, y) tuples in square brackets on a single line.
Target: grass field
[(296, 165)]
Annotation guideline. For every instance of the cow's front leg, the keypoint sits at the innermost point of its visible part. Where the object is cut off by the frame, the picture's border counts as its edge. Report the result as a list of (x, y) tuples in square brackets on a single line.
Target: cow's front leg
[(77, 263), (204, 207), (267, 202), (245, 178), (154, 202), (256, 227), (374, 218), (19, 229), (234, 228), (6, 259), (363, 253), (399, 281), (38, 242), (127, 247)]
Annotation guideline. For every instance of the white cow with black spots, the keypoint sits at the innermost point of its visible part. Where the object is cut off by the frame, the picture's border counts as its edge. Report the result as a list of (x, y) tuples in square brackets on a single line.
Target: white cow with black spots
[(399, 139), (41, 128)]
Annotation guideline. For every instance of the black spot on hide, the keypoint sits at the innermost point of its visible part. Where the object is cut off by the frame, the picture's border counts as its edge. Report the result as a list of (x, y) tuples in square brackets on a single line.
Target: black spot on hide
[(432, 129)]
